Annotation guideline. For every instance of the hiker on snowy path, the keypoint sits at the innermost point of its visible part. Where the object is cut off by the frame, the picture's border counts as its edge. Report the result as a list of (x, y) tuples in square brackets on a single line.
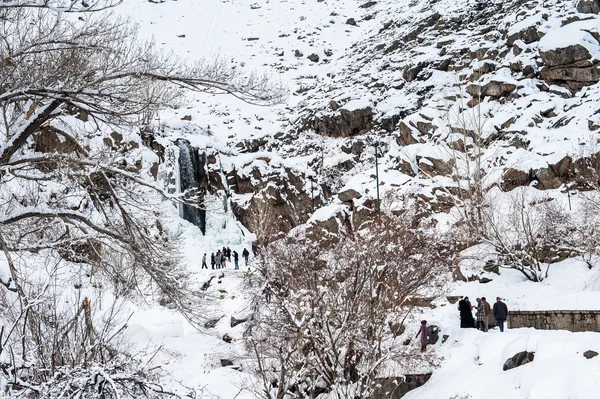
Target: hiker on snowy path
[(204, 262), (466, 317), (500, 313), (487, 308), (245, 254), (218, 259), (212, 260), (423, 333), (481, 318), (228, 254), (236, 259)]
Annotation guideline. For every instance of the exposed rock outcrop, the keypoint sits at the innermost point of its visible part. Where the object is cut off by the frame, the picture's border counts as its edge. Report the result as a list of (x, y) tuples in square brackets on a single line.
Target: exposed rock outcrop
[(519, 359), (345, 123)]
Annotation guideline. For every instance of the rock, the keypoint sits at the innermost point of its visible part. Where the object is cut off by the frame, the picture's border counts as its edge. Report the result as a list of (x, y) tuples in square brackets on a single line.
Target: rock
[(351, 21), (410, 73), (211, 323), (527, 35), (397, 328), (298, 53), (485, 280), (349, 195), (406, 135), (445, 338), (334, 105), (226, 363), (453, 299), (513, 178), (566, 55), (235, 322), (433, 332), (519, 359), (588, 6), (492, 89), (492, 267), (187, 118), (368, 4), (457, 275), (590, 354), (313, 57), (227, 338), (346, 123)]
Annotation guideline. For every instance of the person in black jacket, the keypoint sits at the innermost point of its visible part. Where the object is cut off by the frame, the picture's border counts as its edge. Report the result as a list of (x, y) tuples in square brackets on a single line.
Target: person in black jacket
[(245, 254), (500, 313), (212, 260), (236, 259), (466, 316)]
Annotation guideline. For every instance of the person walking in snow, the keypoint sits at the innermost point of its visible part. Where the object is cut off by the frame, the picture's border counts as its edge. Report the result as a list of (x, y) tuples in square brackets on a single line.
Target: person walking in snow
[(218, 259), (424, 335), (500, 313), (466, 317), (228, 254), (480, 315), (245, 254), (223, 260), (488, 310), (236, 259), (204, 262), (212, 260)]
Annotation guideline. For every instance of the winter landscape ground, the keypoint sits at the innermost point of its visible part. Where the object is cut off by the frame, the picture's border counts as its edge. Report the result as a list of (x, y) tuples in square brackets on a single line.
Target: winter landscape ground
[(379, 160)]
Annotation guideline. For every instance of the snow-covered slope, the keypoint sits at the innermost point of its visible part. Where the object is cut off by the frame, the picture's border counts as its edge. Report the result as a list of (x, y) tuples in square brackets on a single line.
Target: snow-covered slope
[(508, 86)]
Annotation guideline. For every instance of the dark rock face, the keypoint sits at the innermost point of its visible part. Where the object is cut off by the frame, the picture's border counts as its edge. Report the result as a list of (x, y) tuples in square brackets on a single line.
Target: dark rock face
[(192, 178), (434, 334), (527, 35), (590, 354), (588, 6), (389, 388), (519, 359), (345, 124), (570, 66)]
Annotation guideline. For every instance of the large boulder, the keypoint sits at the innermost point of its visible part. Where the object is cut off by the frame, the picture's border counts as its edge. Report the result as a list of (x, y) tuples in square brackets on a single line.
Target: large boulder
[(570, 63), (519, 359), (527, 35), (493, 89), (349, 195), (588, 6), (346, 123)]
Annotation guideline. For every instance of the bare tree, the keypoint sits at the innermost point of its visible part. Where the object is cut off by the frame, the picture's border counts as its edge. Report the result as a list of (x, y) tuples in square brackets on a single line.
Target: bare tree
[(76, 190), (529, 235), (326, 324)]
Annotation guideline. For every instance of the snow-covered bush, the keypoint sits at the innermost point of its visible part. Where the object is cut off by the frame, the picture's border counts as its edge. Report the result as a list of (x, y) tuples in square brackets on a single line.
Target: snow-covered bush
[(326, 324)]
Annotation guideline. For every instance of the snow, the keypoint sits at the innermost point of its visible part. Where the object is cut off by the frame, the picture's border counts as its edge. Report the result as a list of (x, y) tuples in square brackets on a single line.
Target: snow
[(471, 361)]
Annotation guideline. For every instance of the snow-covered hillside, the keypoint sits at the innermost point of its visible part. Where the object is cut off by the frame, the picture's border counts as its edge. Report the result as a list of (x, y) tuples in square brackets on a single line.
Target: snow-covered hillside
[(484, 116)]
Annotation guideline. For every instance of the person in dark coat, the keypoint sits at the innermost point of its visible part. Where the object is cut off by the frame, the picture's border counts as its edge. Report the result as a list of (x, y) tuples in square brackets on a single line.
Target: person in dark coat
[(228, 254), (245, 254), (500, 313), (236, 259), (466, 317), (212, 260)]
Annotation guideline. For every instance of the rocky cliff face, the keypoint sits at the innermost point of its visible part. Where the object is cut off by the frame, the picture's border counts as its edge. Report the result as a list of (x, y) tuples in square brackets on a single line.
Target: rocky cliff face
[(503, 92)]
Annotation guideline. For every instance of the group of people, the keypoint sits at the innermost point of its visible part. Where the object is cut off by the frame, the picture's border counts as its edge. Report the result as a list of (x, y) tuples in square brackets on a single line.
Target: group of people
[(220, 259), (483, 310)]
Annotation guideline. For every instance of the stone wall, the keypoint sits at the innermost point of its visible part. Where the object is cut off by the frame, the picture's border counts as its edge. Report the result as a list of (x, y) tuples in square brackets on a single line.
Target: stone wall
[(571, 320)]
